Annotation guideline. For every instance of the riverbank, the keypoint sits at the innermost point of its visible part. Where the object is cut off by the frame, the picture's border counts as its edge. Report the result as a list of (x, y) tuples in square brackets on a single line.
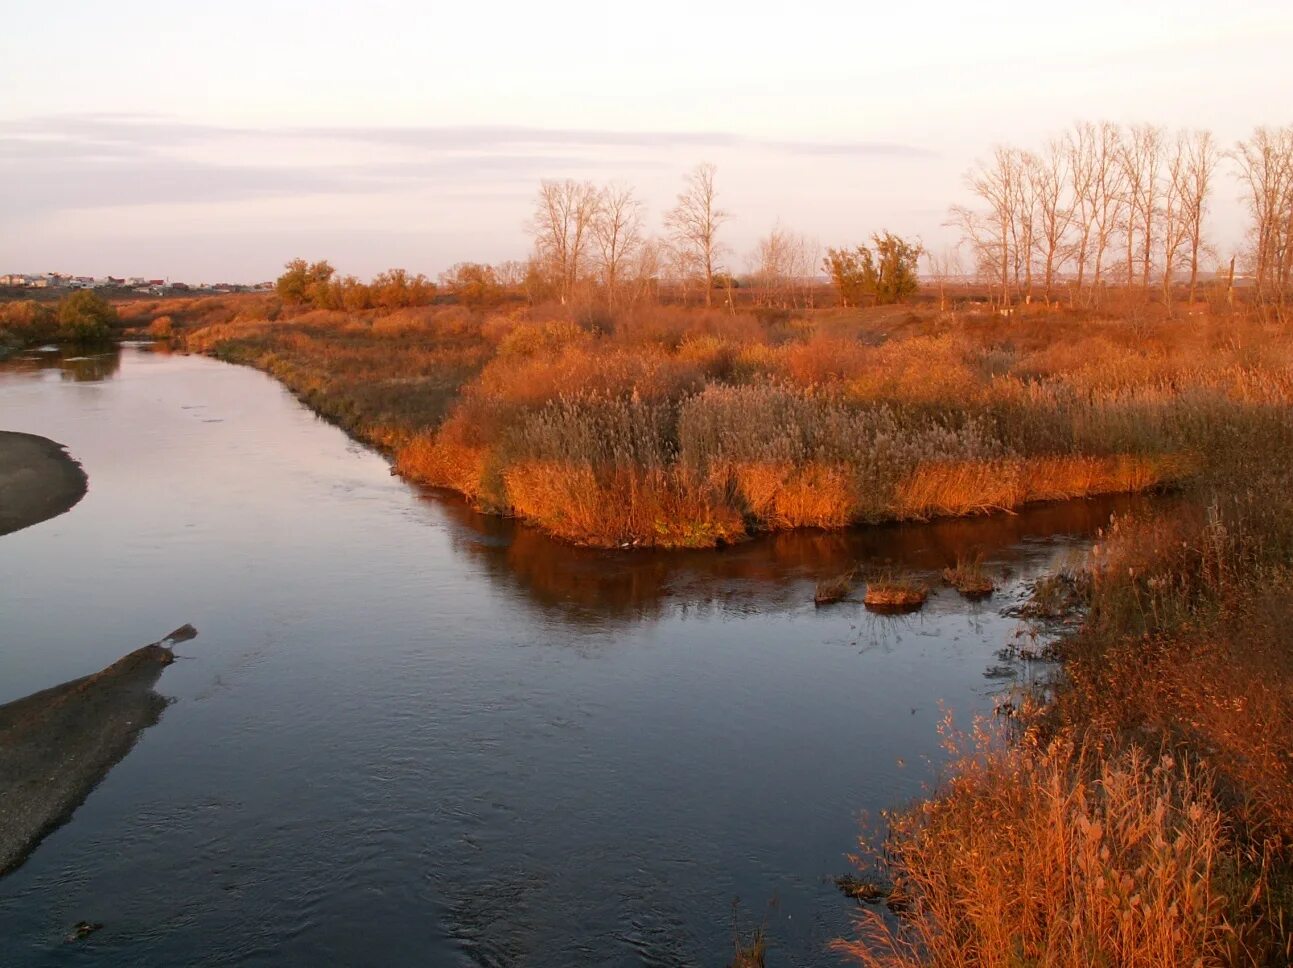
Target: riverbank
[(57, 744), (692, 429), (38, 480)]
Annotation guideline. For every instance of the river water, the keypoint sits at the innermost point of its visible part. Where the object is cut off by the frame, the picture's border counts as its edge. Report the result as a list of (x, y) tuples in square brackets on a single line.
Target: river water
[(408, 734)]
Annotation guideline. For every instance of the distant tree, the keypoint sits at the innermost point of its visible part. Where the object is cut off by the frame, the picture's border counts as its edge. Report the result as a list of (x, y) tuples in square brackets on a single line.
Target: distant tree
[(473, 284), (887, 273), (896, 263), (694, 223), (355, 295), (1265, 163), (853, 273), (303, 283), (395, 288), (85, 317), (617, 230), (562, 227)]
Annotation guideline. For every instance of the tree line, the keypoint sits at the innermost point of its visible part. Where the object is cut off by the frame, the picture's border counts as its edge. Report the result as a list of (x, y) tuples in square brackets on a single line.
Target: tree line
[(1103, 203), (1099, 205)]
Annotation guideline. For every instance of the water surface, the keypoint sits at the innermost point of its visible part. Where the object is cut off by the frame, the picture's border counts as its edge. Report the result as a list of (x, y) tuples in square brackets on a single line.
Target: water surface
[(408, 734)]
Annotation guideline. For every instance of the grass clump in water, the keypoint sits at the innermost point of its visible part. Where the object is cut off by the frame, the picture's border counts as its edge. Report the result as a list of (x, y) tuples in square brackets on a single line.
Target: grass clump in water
[(969, 578)]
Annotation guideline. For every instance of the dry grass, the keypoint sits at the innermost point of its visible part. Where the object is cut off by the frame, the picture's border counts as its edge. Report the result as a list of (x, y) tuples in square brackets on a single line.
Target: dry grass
[(831, 590), (758, 425), (1043, 854), (969, 578), (1064, 842), (897, 593)]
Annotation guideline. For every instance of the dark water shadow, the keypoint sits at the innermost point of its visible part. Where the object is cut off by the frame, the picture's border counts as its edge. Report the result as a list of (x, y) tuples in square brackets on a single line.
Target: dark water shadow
[(767, 571), (58, 744)]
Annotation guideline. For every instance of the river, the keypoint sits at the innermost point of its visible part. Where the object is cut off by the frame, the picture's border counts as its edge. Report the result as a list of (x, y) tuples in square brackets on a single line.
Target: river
[(409, 734)]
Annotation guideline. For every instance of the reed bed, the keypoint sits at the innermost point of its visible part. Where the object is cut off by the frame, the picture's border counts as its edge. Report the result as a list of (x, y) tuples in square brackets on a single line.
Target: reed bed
[(709, 426)]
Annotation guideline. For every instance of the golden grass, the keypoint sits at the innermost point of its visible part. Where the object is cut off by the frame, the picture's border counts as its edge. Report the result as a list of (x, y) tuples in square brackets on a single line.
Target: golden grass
[(625, 507), (969, 578), (1063, 841), (835, 589), (1043, 854), (895, 594), (825, 421), (783, 495)]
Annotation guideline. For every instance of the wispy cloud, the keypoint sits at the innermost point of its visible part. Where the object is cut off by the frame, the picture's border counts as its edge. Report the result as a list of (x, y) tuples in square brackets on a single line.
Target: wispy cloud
[(61, 162)]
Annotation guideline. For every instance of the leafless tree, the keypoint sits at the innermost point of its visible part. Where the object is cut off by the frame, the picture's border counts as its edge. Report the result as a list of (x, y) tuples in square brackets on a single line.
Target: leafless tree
[(1265, 163), (1023, 225), (1202, 158), (944, 266), (562, 226), (1174, 225), (694, 223), (1109, 197), (1142, 159), (991, 233), (782, 267), (1049, 176), (617, 228)]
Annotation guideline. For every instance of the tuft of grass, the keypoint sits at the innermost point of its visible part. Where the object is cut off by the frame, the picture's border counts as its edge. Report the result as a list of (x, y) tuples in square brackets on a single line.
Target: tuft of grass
[(1050, 854), (834, 589), (969, 578), (750, 953), (897, 593)]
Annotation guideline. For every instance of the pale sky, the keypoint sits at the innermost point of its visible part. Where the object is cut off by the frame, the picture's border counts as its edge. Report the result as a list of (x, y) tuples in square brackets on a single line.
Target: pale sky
[(215, 142)]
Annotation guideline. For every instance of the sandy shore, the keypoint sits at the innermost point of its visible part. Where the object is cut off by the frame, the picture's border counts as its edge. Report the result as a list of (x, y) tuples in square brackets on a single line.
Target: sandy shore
[(57, 744), (38, 480)]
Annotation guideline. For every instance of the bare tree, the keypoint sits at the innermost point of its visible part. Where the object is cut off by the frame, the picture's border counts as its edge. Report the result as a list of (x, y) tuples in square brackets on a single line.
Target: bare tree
[(944, 265), (773, 264), (1202, 158), (645, 268), (617, 228), (805, 257), (1109, 196), (1142, 159), (1175, 227), (694, 223), (991, 234), (1265, 163), (1081, 146), (562, 226), (1049, 176)]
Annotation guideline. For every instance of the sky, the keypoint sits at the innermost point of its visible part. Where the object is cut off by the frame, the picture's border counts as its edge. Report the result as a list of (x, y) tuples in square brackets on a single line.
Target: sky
[(213, 142)]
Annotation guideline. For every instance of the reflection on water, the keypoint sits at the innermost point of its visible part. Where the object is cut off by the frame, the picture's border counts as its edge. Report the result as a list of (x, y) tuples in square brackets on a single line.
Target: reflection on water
[(770, 571), (76, 364), (410, 735)]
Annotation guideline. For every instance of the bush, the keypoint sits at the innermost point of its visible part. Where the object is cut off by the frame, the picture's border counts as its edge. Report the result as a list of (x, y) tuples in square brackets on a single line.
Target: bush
[(26, 323), (85, 317)]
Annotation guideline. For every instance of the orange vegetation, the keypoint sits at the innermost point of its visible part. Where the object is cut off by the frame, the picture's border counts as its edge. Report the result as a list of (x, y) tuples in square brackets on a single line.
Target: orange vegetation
[(682, 428), (1140, 809)]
